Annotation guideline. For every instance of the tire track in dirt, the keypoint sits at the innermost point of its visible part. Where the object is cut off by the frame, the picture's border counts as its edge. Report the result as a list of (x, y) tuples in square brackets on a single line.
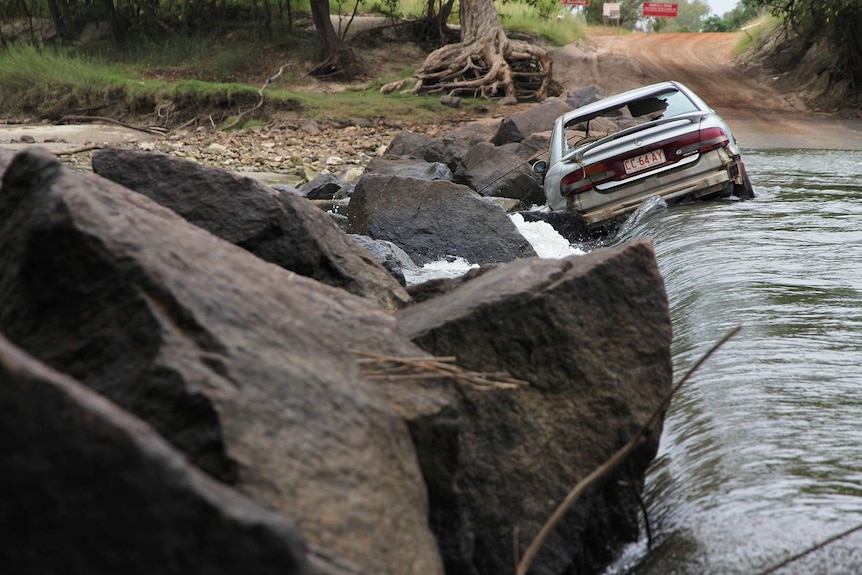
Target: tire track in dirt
[(701, 61)]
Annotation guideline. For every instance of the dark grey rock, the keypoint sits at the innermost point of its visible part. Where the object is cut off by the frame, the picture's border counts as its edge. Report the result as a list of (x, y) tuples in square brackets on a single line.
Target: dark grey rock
[(408, 144), (533, 147), (90, 489), (410, 168), (539, 118), (591, 335), (452, 146), (323, 187), (433, 219), (249, 369), (280, 228), (390, 256), (584, 96), (499, 171)]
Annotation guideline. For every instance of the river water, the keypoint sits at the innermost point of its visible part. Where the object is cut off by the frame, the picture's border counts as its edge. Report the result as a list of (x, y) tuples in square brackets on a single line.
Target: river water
[(761, 454)]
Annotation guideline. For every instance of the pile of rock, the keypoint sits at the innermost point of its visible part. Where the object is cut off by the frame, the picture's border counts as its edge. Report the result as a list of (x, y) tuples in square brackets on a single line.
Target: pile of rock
[(200, 373)]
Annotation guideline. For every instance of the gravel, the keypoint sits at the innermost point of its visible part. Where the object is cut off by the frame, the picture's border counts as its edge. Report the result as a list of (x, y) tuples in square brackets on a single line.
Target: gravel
[(292, 153)]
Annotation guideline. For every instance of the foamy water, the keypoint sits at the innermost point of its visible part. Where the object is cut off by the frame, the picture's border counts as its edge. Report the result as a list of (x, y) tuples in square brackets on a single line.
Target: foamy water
[(541, 235)]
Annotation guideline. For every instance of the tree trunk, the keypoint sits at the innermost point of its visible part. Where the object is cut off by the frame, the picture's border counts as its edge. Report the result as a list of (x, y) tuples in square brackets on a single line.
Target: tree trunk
[(485, 63), (339, 60)]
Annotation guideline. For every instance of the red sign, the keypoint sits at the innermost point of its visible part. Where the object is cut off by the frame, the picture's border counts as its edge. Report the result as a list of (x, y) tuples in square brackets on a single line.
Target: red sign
[(660, 9), (576, 2)]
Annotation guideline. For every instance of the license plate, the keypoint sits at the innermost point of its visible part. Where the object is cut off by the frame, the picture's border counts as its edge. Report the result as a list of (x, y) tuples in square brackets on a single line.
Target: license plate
[(644, 161)]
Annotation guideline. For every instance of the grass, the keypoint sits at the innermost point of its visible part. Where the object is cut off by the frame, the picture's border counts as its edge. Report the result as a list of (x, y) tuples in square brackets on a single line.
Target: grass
[(557, 32), (222, 74), (372, 104), (50, 83), (754, 30)]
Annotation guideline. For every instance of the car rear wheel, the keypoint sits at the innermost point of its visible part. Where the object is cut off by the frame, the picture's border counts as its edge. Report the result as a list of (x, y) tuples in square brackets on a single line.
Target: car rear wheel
[(745, 190)]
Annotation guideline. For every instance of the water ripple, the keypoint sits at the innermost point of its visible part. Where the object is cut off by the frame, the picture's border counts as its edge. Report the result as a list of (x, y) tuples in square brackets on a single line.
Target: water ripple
[(760, 452)]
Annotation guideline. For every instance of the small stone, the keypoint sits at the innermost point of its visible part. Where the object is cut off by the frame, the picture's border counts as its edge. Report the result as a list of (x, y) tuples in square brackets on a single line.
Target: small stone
[(352, 173), (451, 101)]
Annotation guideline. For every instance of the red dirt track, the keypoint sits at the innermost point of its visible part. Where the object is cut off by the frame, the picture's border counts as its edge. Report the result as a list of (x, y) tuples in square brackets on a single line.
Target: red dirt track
[(759, 115)]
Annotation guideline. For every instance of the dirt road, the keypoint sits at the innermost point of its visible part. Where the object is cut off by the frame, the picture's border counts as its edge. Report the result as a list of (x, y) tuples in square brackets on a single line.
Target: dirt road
[(759, 116)]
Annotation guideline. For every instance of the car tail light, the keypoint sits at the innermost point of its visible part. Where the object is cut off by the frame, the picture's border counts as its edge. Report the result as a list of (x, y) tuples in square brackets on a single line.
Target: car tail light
[(585, 178), (695, 142), (612, 169)]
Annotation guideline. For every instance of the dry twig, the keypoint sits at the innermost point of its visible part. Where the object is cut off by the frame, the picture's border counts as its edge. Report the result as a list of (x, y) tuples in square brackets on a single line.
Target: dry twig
[(392, 368), (269, 81), (78, 150)]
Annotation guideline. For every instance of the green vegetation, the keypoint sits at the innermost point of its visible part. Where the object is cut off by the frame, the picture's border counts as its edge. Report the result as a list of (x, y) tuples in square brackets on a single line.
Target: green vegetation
[(836, 24), (741, 15), (146, 55), (135, 61), (755, 30), (555, 31), (48, 83)]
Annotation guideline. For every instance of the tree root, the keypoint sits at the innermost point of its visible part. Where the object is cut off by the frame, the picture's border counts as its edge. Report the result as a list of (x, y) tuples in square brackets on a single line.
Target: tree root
[(486, 67)]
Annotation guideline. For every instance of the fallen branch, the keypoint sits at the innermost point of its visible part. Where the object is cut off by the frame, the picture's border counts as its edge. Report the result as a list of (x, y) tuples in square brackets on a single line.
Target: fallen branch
[(392, 368), (158, 131), (269, 81), (78, 150), (611, 463)]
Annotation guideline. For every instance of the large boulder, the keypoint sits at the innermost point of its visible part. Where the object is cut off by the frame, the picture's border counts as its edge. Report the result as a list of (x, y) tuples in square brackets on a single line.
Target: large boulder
[(591, 336), (408, 144), (539, 118), (6, 158), (500, 171), (430, 220), (90, 489), (410, 168), (249, 369), (390, 256), (583, 96), (281, 228), (490, 169), (447, 149), (534, 147)]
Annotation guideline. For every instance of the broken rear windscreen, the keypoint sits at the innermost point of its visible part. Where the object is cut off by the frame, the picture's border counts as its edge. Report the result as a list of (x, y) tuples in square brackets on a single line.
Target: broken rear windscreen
[(605, 122)]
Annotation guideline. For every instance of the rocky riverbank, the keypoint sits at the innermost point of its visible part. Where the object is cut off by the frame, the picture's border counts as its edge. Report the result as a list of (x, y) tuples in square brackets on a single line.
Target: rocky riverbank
[(259, 344), (289, 152)]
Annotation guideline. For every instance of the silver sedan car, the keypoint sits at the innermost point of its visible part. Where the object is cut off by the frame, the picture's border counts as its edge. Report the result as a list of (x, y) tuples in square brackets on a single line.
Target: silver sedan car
[(607, 157)]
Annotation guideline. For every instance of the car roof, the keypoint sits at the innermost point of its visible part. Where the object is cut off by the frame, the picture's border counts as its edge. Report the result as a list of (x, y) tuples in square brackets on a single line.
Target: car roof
[(622, 98)]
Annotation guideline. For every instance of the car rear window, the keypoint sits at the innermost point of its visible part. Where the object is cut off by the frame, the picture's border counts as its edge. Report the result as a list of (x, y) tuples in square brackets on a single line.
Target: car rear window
[(675, 103), (663, 105)]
